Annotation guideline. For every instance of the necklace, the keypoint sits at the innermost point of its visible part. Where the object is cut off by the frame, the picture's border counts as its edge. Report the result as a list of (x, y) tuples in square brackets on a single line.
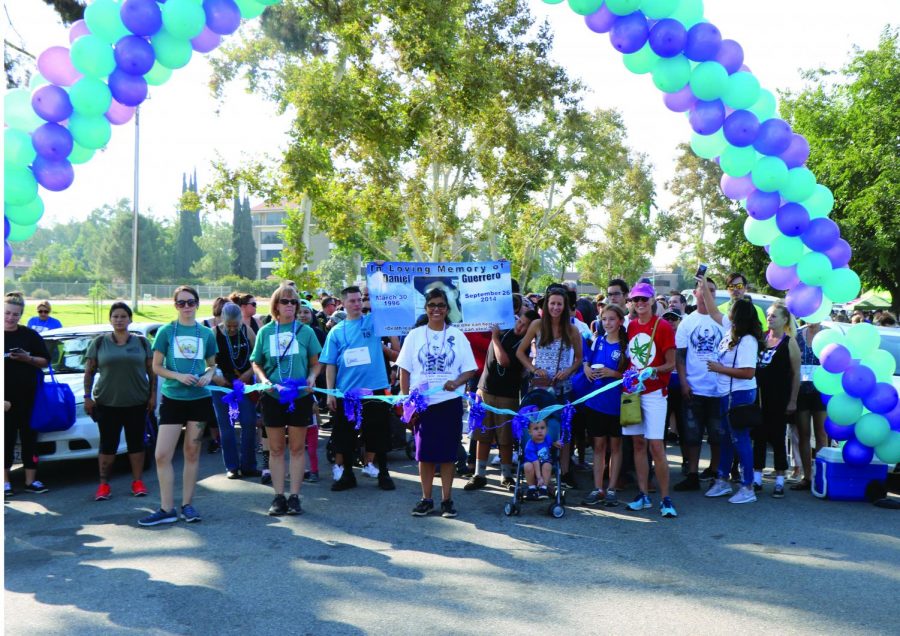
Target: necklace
[(234, 352), (443, 340), (185, 353), (287, 348)]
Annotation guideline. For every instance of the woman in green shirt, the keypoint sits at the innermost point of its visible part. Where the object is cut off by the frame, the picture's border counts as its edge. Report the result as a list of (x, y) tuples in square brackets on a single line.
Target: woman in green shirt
[(286, 349)]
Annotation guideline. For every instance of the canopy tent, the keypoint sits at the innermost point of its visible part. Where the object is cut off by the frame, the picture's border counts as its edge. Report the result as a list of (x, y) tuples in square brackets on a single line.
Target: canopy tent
[(869, 301)]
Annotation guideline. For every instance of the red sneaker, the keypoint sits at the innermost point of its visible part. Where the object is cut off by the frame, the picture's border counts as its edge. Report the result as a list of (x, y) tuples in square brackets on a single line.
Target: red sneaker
[(138, 489), (103, 493)]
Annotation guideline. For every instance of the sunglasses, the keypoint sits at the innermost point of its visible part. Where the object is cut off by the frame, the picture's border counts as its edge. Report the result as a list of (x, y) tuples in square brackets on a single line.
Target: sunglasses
[(366, 310), (640, 299), (288, 301), (436, 306), (181, 304), (735, 286), (251, 303), (43, 311)]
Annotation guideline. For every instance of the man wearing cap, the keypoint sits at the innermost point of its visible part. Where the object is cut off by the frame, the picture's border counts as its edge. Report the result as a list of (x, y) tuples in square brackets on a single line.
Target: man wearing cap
[(651, 344), (736, 283)]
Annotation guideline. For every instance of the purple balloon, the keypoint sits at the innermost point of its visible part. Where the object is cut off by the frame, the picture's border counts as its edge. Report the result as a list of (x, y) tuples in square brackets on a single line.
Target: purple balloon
[(839, 253), (893, 416), (855, 453), (741, 128), (882, 397), (5, 227), (222, 16), (781, 278), (78, 29), (835, 358), (680, 101), (206, 41), (134, 55), (803, 299), (668, 37), (52, 141), (707, 117), (736, 188), (731, 56), (703, 42), (601, 20), (629, 32), (51, 103), (141, 17), (858, 380), (7, 251), (126, 88), (763, 205), (797, 152), (792, 219), (56, 66), (119, 114), (838, 432), (53, 175), (774, 137), (821, 234)]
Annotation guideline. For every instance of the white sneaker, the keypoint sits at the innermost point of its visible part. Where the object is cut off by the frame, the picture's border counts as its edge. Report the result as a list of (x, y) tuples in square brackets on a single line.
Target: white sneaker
[(495, 461), (369, 470), (742, 496), (337, 472), (720, 488)]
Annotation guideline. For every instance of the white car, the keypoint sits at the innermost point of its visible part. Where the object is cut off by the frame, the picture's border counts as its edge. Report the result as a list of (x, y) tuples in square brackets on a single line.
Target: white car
[(763, 301), (67, 347)]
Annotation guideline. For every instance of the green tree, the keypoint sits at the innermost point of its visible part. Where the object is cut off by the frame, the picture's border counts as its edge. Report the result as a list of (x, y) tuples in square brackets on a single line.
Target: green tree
[(188, 228), (242, 244), (215, 246), (851, 119), (338, 270), (56, 264), (154, 253)]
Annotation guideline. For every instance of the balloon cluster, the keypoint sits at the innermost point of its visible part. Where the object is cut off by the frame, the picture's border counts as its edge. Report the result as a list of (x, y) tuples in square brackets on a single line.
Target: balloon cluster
[(116, 52), (862, 403)]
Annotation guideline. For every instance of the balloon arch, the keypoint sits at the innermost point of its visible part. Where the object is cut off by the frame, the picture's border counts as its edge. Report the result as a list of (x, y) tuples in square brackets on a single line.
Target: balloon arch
[(122, 48)]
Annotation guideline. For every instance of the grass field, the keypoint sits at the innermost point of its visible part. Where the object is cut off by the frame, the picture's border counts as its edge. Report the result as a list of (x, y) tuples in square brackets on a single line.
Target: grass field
[(76, 315)]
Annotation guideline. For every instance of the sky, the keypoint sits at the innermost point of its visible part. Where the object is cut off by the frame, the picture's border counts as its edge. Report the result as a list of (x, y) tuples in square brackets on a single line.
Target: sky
[(183, 127)]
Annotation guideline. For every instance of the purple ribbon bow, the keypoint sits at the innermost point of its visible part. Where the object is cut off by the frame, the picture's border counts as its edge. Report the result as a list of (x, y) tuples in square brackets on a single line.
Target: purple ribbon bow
[(521, 420), (476, 413), (415, 403), (289, 391), (565, 423), (233, 400), (353, 410), (631, 382)]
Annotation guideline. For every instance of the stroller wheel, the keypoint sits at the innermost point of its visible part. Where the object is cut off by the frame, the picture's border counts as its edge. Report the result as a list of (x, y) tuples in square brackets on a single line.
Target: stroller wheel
[(557, 511), (509, 509)]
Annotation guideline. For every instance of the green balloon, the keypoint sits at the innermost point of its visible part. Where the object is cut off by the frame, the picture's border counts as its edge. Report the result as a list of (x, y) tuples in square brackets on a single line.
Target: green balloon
[(671, 74), (824, 338), (769, 174), (21, 232), (90, 96), (844, 409), (659, 9), (800, 184), (251, 9), (764, 108), (822, 313), (90, 131), (158, 75), (18, 112), (708, 146), (813, 268), (738, 162), (689, 13), (183, 19), (618, 7), (882, 363), (709, 81), (872, 429), (786, 250), (889, 450), (641, 61), (170, 51), (27, 214), (842, 285), (80, 154), (820, 203), (102, 18), (761, 233), (742, 90), (862, 339), (19, 185), (17, 148), (92, 56), (828, 383), (271, 2)]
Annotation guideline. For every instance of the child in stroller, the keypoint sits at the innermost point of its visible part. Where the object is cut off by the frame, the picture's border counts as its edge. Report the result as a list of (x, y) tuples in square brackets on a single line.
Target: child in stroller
[(538, 461)]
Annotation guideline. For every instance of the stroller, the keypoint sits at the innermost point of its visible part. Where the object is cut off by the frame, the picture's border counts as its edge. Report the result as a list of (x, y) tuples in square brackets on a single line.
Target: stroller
[(541, 399)]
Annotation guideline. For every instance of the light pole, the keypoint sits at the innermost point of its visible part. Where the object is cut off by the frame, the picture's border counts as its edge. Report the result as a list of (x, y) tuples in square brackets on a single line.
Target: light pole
[(134, 225)]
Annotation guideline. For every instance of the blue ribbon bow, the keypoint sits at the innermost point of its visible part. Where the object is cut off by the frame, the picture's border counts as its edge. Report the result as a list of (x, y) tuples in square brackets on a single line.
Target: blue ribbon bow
[(477, 413), (353, 408), (233, 400)]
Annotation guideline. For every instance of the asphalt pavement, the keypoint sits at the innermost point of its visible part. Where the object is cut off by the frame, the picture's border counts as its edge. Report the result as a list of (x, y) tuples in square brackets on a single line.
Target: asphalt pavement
[(357, 562)]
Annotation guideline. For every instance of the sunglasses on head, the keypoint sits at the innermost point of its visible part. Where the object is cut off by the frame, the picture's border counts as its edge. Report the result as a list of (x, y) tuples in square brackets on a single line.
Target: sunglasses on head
[(186, 303), (436, 306), (288, 301)]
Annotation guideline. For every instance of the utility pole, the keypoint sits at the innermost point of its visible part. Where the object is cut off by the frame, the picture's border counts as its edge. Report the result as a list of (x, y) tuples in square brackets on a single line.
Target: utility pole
[(134, 225)]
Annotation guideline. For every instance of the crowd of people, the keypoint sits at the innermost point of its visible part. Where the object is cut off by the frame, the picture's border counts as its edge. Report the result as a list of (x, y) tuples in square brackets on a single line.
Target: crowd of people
[(702, 366)]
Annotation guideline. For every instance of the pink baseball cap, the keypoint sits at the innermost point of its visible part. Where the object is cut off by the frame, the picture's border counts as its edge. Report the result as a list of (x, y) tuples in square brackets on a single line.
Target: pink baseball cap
[(642, 289)]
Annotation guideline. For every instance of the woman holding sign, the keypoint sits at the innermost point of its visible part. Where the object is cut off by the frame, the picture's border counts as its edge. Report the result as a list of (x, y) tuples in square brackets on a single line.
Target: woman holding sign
[(436, 357)]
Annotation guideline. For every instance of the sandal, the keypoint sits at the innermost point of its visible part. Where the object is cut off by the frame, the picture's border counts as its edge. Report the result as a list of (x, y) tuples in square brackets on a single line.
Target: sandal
[(803, 484)]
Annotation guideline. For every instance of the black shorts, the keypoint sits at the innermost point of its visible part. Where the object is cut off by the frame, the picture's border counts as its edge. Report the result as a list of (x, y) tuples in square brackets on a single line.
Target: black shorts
[(602, 424), (181, 412), (375, 429), (276, 415), (112, 419), (810, 401)]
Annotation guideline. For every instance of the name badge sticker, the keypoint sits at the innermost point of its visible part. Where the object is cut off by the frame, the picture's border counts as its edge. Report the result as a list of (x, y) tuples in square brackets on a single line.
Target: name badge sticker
[(357, 356)]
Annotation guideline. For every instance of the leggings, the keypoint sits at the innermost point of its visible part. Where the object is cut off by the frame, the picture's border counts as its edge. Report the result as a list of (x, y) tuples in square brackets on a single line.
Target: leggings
[(772, 432), (112, 419), (18, 422), (312, 447)]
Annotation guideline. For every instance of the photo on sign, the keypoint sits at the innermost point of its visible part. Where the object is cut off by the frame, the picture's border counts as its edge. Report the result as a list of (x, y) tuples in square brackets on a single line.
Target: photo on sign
[(449, 285)]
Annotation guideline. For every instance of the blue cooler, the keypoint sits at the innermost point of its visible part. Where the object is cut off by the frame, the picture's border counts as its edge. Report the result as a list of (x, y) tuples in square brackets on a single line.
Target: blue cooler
[(840, 482)]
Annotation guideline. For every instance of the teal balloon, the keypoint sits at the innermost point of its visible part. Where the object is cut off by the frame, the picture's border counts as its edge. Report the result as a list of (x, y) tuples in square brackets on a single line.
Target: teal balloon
[(641, 61), (618, 7), (872, 429), (184, 19), (672, 74), (158, 75), (862, 339), (709, 81), (689, 12), (90, 131), (738, 162), (800, 184), (822, 313), (708, 146), (80, 154), (90, 96), (17, 148), (27, 214), (659, 9), (92, 56), (170, 51), (827, 383), (769, 174), (889, 450), (786, 250), (764, 108), (820, 202), (825, 338), (843, 409), (251, 9), (814, 268), (102, 18), (882, 363), (21, 232), (842, 285), (18, 112), (742, 90), (761, 233), (19, 185)]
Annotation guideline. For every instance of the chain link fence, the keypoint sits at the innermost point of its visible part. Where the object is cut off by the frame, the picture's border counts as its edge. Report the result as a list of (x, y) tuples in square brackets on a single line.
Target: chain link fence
[(115, 291)]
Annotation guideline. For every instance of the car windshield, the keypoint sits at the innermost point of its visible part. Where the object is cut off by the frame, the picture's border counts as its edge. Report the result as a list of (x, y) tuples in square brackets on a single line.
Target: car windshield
[(67, 352)]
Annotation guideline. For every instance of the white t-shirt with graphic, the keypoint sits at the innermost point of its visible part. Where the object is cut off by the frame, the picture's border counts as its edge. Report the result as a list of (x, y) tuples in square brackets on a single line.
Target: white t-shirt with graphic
[(433, 357), (701, 336), (743, 356)]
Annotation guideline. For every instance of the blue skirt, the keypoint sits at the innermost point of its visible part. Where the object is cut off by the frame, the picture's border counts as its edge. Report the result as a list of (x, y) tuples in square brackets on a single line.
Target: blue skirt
[(439, 432)]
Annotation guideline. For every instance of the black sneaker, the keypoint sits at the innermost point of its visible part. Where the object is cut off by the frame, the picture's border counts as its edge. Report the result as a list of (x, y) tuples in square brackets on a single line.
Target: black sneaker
[(250, 472), (543, 493), (778, 492), (531, 494), (213, 447), (757, 487), (708, 473), (569, 480), (232, 474), (385, 482), (423, 508), (691, 482), (476, 482), (507, 482), (36, 487), (447, 509), (293, 505), (346, 482), (279, 506)]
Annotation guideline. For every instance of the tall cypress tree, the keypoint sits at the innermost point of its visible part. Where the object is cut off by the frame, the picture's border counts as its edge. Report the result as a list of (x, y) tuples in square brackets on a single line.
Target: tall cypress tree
[(187, 252), (244, 263)]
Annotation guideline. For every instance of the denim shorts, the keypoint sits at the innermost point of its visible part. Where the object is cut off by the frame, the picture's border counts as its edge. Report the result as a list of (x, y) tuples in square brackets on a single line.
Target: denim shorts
[(702, 415)]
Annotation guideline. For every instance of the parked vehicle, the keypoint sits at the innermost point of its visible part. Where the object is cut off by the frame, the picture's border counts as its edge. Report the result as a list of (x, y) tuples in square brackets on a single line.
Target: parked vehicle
[(763, 301), (890, 342)]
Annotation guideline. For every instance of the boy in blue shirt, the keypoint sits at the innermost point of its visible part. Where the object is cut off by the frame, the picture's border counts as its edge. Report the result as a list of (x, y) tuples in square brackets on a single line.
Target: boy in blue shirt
[(538, 461)]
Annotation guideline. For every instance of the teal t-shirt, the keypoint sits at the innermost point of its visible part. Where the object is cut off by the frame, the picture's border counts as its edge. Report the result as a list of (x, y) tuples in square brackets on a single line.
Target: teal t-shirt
[(186, 350), (283, 351), (354, 348)]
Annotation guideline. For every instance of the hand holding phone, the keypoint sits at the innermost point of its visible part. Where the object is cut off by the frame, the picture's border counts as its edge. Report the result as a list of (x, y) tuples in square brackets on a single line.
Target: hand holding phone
[(701, 271)]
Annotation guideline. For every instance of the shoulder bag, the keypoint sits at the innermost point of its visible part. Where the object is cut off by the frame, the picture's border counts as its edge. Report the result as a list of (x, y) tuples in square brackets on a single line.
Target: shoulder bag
[(743, 416), (54, 406)]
